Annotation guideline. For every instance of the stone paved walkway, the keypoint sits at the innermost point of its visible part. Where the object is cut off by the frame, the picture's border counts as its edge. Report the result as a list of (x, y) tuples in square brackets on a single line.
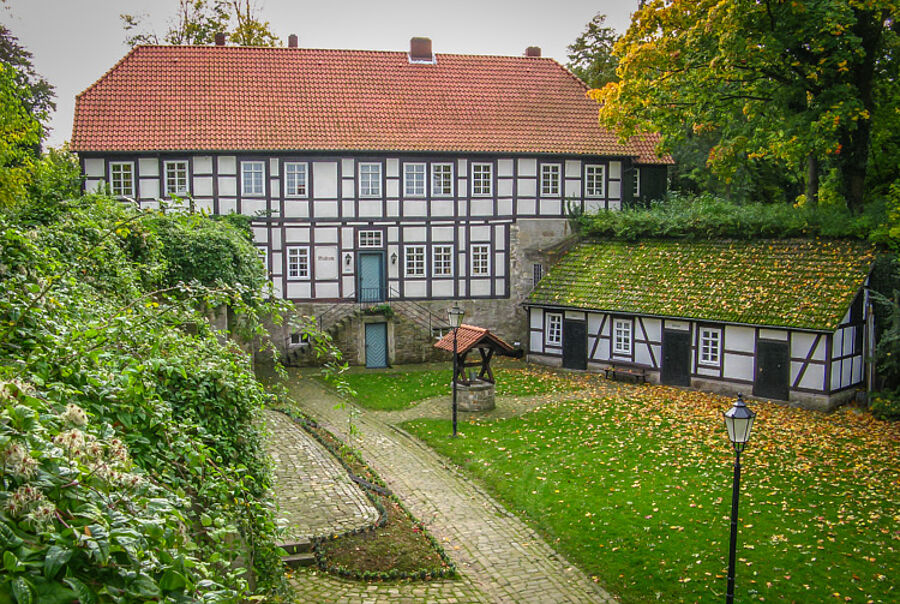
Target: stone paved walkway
[(499, 557), (316, 497)]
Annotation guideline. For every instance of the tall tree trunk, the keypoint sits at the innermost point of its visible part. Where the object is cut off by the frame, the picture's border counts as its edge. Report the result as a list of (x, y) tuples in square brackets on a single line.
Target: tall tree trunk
[(812, 179), (854, 155)]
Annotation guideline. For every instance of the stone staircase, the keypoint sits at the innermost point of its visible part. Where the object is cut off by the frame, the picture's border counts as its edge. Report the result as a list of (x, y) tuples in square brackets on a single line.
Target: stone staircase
[(299, 553), (338, 313), (437, 326), (333, 319)]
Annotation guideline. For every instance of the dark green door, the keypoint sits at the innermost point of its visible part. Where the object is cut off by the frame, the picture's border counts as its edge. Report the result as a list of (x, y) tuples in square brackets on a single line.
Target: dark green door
[(376, 345), (574, 344), (371, 277), (676, 358), (772, 370)]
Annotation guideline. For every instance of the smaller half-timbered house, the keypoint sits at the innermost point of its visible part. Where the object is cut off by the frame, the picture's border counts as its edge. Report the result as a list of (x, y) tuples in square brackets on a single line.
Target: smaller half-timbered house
[(781, 319)]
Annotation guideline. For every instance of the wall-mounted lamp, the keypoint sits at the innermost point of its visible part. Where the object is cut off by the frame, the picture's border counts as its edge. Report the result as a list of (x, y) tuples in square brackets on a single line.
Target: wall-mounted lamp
[(348, 259), (394, 258)]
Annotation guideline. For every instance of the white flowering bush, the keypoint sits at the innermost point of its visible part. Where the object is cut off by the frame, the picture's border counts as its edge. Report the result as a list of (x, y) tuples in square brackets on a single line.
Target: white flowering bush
[(78, 521)]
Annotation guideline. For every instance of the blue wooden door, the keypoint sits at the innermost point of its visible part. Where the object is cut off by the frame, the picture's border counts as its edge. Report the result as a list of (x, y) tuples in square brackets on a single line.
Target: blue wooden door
[(371, 277), (376, 345)]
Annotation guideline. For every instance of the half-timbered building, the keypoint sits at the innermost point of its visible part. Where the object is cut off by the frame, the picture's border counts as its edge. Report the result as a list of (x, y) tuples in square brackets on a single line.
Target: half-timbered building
[(407, 178), (781, 319)]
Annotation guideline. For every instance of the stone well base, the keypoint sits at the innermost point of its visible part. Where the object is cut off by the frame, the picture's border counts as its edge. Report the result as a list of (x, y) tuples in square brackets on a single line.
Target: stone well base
[(476, 396)]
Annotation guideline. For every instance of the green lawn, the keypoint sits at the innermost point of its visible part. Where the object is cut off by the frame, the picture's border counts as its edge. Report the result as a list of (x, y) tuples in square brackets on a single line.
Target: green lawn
[(637, 492), (393, 390)]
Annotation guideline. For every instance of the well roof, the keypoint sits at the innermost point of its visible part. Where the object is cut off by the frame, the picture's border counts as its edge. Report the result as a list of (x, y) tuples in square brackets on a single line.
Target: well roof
[(470, 336), (797, 283)]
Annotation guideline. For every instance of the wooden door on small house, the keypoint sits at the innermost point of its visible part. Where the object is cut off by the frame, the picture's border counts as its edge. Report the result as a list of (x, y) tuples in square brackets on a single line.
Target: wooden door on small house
[(574, 340), (772, 370), (676, 358)]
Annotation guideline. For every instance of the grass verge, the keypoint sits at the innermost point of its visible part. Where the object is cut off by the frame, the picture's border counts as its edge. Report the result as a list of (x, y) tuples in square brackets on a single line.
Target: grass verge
[(636, 489)]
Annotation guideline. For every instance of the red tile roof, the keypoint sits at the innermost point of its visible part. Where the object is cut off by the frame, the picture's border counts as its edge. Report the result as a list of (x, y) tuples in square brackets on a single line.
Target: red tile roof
[(165, 98), (468, 337)]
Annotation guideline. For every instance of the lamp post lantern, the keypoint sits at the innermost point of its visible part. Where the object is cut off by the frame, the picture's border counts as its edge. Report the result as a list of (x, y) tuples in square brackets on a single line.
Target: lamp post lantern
[(739, 422), (456, 317)]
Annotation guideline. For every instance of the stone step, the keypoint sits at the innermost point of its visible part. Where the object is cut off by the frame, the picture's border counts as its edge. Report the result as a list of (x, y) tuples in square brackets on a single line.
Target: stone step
[(298, 560), (297, 547)]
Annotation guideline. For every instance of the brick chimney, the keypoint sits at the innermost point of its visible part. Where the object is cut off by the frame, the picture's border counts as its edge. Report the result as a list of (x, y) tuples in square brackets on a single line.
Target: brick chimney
[(292, 41), (533, 51), (420, 50), (220, 39)]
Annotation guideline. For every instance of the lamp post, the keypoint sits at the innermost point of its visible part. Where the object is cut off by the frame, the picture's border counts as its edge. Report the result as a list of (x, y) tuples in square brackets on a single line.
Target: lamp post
[(456, 317), (739, 422)]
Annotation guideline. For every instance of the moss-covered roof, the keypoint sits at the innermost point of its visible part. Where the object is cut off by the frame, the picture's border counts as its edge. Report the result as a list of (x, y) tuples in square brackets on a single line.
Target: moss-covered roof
[(800, 283)]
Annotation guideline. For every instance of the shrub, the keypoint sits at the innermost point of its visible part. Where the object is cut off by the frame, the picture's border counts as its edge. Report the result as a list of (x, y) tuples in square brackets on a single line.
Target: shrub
[(208, 251), (709, 217), (886, 405), (78, 508), (89, 319)]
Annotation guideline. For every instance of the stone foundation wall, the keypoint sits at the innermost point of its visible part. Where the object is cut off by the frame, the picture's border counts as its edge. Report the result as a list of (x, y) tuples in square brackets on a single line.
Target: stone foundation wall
[(413, 343)]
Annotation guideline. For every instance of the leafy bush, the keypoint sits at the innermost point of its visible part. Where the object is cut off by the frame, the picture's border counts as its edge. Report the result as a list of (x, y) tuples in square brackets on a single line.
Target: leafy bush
[(208, 251), (708, 217), (886, 405), (55, 179), (887, 350), (77, 509), (91, 319)]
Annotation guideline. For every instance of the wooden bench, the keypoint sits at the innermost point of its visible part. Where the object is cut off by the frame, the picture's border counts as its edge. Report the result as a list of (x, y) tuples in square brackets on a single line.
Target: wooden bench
[(622, 371)]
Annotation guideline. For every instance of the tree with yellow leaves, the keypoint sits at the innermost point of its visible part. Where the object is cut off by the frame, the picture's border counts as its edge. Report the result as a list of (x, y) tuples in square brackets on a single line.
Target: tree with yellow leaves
[(789, 81)]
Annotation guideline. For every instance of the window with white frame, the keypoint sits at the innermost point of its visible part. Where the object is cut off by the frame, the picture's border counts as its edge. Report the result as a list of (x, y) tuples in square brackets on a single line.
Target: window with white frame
[(594, 180), (253, 175), (442, 261), (121, 178), (370, 180), (441, 180), (622, 336), (636, 182), (370, 239), (710, 346), (414, 180), (176, 177), (415, 260), (481, 260), (554, 329), (298, 262), (550, 180), (482, 179), (295, 175), (264, 256)]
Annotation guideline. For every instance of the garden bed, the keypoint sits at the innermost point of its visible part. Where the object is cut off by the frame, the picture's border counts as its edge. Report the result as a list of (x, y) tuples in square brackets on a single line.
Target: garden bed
[(398, 547)]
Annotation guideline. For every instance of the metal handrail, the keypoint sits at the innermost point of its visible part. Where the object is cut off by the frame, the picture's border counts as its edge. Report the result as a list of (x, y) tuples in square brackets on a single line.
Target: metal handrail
[(373, 295), (334, 309), (434, 321)]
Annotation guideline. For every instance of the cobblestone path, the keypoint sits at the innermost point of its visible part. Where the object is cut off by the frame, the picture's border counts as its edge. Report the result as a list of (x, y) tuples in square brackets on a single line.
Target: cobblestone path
[(315, 495), (500, 558)]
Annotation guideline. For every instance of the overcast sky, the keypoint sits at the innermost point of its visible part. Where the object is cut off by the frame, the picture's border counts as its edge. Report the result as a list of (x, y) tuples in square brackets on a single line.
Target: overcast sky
[(74, 42)]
